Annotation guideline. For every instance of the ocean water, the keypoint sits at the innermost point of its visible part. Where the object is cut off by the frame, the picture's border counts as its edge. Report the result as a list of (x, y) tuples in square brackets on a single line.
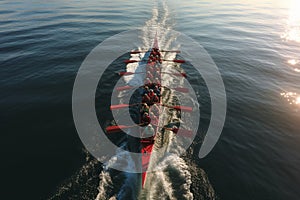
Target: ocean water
[(255, 44)]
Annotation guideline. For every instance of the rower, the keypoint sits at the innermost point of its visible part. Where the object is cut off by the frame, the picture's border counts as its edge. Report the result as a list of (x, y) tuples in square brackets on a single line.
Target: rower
[(146, 120), (156, 72), (146, 90), (149, 75), (151, 93), (146, 99), (157, 90), (148, 82), (154, 99), (157, 82)]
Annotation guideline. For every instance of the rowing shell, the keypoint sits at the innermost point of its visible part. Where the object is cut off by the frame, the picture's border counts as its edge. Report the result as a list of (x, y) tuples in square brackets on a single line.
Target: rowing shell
[(153, 73)]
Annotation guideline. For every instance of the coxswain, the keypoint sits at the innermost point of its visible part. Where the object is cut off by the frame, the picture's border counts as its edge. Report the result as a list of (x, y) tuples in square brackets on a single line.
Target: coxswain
[(146, 119)]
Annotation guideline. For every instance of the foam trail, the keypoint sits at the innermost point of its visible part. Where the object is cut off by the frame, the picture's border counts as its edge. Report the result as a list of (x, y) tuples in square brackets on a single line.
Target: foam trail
[(105, 186)]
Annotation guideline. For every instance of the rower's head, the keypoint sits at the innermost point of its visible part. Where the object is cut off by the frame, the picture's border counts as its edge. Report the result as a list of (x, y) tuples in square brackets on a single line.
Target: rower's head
[(146, 114)]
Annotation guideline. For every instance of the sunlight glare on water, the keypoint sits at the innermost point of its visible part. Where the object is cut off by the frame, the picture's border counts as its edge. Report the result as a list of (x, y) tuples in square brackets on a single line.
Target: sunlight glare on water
[(298, 100), (292, 97), (292, 32), (293, 63)]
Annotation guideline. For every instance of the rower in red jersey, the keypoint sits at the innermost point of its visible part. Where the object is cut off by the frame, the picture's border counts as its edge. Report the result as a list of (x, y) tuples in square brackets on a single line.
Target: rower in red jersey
[(149, 75), (151, 93), (146, 99), (148, 82), (155, 99), (157, 82), (146, 120)]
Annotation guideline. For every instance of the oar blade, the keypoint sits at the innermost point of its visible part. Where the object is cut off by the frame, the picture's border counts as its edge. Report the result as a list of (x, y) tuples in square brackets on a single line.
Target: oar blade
[(119, 106), (125, 73), (170, 51), (179, 61), (135, 52), (131, 61), (126, 87), (115, 129)]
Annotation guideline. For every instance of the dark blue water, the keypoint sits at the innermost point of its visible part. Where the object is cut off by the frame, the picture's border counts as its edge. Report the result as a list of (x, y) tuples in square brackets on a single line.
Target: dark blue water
[(256, 46)]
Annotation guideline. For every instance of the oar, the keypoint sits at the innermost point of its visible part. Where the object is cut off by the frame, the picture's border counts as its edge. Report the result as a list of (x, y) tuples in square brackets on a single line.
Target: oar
[(177, 61), (120, 106), (118, 128), (132, 73), (133, 61), (127, 87), (171, 51)]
